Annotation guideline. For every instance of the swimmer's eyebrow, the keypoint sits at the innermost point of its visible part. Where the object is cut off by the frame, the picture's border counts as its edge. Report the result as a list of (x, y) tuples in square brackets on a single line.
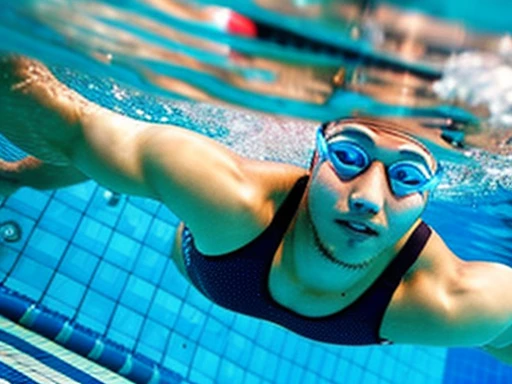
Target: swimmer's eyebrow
[(358, 133), (413, 153)]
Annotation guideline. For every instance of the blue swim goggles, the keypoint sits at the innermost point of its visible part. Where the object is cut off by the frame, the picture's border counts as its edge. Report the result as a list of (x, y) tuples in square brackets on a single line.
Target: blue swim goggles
[(350, 159)]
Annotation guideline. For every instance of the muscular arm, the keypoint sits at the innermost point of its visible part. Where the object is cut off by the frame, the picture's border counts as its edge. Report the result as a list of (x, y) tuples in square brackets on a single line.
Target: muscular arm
[(446, 301), (196, 177)]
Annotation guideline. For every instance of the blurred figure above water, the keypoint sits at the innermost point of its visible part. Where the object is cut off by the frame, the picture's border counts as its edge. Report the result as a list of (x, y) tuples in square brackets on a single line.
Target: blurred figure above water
[(315, 60)]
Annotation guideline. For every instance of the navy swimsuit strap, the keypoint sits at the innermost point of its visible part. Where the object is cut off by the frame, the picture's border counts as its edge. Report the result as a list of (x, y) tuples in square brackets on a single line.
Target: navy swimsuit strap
[(409, 253)]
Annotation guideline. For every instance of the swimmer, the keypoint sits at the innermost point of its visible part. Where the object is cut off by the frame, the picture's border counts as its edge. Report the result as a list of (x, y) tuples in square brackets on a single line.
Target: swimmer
[(337, 253)]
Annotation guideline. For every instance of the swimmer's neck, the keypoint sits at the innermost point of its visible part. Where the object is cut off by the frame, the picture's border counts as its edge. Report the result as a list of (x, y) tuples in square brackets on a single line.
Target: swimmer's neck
[(304, 263)]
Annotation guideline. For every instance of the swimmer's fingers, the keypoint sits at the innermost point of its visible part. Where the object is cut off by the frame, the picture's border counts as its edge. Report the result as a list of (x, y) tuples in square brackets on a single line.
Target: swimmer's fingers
[(19, 71)]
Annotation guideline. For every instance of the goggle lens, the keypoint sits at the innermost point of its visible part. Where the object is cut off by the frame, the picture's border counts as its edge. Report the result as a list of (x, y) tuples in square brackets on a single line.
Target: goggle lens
[(350, 160)]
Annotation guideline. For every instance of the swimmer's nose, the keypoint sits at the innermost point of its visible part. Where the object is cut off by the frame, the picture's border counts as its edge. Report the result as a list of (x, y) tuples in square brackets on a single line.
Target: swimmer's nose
[(367, 194)]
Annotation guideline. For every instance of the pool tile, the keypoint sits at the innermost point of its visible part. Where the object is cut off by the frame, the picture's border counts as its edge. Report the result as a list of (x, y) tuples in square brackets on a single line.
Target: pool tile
[(302, 351), (239, 348), (145, 204), (45, 248), (137, 294), (315, 359), (283, 372), (29, 202), (121, 338), (150, 265), (77, 196), (32, 273), (66, 290), (155, 335), (173, 282), (22, 287), (290, 346), (190, 322), (8, 257), (176, 366), (310, 378), (134, 222), (92, 235), (122, 251), (91, 323), (196, 376), (270, 337), (250, 378), (97, 306), (247, 326), (127, 321), (198, 300), (79, 264), (166, 215), (297, 372), (149, 352), (58, 306), (181, 349), (60, 219), (263, 363), (224, 315), (161, 236), (329, 365), (229, 372), (214, 336), (206, 362), (109, 279)]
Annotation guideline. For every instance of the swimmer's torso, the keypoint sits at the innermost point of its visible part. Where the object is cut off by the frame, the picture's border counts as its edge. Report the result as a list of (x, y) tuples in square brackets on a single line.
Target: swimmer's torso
[(287, 292)]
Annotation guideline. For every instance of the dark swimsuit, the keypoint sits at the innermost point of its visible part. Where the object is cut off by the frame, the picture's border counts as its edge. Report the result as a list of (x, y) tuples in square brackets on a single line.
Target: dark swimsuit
[(239, 281)]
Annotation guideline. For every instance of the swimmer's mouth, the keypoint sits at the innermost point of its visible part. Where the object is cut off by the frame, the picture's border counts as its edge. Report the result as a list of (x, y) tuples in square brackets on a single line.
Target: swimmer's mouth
[(357, 227)]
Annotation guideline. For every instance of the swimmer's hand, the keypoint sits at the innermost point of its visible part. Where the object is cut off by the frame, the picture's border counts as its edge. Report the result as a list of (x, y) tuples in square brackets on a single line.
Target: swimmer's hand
[(38, 113)]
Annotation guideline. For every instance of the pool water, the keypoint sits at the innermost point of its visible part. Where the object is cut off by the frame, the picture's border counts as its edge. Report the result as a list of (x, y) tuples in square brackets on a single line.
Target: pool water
[(97, 264)]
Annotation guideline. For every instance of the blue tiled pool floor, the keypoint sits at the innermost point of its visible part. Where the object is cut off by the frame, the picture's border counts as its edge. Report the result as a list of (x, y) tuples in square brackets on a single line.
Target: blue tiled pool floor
[(108, 268)]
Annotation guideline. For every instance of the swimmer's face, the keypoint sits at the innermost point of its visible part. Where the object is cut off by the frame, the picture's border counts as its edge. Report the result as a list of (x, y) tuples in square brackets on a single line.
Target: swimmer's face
[(358, 217)]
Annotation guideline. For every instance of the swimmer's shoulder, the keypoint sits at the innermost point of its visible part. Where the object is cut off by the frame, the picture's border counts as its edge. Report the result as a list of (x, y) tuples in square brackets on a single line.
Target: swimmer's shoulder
[(273, 177), (423, 297), (270, 184)]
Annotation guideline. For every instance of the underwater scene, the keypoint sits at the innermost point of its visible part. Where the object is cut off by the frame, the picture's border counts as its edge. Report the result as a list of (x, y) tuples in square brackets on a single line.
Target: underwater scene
[(155, 153)]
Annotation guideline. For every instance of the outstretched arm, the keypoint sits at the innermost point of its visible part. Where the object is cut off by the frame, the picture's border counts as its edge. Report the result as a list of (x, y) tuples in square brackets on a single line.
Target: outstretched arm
[(446, 301), (196, 177)]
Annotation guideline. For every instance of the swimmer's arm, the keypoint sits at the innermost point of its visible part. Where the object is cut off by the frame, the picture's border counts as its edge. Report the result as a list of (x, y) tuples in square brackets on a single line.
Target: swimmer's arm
[(500, 346), (204, 183), (196, 177), (485, 300), (466, 304)]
